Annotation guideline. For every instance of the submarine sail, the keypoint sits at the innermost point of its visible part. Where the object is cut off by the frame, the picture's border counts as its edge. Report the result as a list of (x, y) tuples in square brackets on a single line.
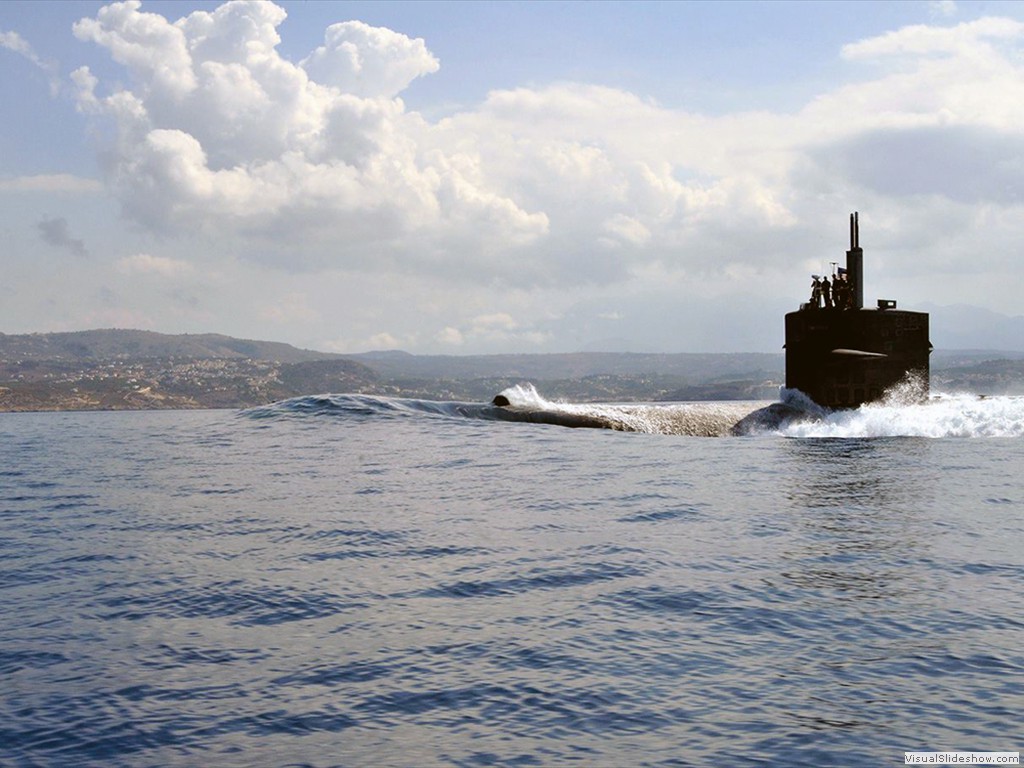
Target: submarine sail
[(842, 355)]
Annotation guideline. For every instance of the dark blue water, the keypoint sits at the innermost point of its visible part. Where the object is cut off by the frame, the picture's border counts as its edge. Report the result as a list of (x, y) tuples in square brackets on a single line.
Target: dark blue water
[(363, 582)]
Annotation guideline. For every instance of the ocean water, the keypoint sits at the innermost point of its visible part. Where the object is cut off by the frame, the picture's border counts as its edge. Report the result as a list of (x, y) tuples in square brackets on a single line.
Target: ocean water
[(358, 581)]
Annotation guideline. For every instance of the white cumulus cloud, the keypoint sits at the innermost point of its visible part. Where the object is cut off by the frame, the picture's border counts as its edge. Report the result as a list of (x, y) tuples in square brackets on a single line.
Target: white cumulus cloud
[(551, 189), (218, 133), (368, 61)]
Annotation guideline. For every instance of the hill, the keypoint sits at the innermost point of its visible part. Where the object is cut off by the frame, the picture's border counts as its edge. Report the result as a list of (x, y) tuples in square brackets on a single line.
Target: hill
[(697, 366), (125, 369), (120, 344)]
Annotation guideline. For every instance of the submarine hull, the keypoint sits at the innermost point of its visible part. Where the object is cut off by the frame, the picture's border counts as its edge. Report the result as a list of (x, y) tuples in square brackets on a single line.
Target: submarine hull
[(844, 358)]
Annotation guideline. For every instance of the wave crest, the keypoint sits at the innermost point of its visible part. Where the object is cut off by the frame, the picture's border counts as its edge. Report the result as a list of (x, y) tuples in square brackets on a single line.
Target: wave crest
[(794, 415)]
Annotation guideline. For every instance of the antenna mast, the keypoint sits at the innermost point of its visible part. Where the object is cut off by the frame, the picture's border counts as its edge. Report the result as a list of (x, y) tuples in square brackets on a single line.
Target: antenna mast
[(855, 263)]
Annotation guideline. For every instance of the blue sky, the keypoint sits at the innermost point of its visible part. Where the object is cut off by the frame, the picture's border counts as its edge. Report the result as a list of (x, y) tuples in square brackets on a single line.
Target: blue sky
[(492, 177)]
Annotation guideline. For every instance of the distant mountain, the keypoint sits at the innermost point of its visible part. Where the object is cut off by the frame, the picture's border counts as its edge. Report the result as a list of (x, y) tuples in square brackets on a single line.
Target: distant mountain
[(122, 369), (574, 365), (964, 326), (117, 369), (119, 344)]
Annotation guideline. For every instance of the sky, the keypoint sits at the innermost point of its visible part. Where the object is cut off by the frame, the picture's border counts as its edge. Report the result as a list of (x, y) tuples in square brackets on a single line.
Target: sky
[(493, 177)]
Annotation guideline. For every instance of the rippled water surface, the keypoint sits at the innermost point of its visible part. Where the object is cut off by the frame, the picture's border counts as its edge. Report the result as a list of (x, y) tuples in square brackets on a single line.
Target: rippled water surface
[(368, 584)]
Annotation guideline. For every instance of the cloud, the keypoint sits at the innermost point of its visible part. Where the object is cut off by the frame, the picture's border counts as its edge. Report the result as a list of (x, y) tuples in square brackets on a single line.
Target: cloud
[(220, 133), (964, 164), (942, 9), (499, 328), (154, 51), (383, 340), (547, 191), (55, 232), (368, 61), (292, 307), (12, 41), (970, 38), (146, 264), (451, 337)]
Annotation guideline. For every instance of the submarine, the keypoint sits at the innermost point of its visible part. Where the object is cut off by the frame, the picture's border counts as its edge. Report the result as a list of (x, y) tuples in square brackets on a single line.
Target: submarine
[(841, 354)]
